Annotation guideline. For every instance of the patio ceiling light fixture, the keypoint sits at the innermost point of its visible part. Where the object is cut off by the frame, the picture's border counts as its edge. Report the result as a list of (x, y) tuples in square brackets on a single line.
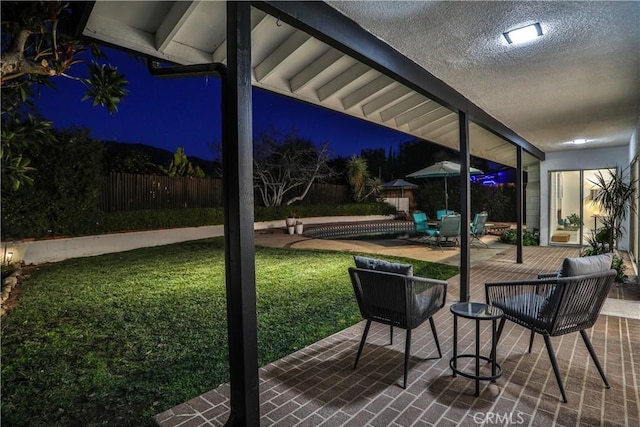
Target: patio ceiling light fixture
[(577, 141), (524, 34)]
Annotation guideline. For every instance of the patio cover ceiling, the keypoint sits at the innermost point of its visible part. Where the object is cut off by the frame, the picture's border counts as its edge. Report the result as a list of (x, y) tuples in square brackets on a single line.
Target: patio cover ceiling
[(584, 86)]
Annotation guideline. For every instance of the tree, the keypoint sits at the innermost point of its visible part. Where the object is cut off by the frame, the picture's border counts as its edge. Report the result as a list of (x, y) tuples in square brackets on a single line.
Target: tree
[(284, 163), (181, 166), (614, 195), (21, 137), (40, 46), (37, 46), (363, 186), (417, 154), (134, 161), (377, 162)]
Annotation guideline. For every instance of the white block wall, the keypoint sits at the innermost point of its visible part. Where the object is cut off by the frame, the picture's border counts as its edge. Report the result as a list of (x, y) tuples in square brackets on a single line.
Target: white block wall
[(52, 250)]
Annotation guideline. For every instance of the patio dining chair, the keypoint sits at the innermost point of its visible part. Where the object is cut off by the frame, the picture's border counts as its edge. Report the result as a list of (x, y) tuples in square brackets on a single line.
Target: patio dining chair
[(390, 294), (557, 303), (448, 228), (477, 227), (421, 222), (442, 212)]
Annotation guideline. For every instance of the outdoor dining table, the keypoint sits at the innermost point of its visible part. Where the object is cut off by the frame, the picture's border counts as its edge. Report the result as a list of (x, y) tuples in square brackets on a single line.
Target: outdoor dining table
[(435, 223)]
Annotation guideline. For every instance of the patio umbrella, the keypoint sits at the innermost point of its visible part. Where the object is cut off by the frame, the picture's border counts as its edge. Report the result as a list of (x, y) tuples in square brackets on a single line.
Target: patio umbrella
[(442, 169)]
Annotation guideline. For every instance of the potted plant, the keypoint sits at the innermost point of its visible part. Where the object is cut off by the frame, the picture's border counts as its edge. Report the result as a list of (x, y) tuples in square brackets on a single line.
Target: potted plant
[(291, 220), (573, 222), (299, 227)]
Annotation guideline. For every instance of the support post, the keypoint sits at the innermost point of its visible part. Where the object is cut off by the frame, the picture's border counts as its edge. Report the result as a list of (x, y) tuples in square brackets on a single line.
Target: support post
[(519, 202), (465, 207), (237, 149)]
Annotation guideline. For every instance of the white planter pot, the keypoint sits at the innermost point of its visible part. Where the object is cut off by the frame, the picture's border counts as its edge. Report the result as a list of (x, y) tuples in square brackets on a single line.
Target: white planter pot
[(291, 229), (299, 228), (290, 222)]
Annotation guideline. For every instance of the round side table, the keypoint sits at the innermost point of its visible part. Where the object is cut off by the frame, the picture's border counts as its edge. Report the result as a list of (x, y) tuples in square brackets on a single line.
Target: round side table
[(476, 311)]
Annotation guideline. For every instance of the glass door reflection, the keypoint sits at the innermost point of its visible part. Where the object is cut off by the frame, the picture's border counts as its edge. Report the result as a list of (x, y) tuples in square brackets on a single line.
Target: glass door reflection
[(573, 217)]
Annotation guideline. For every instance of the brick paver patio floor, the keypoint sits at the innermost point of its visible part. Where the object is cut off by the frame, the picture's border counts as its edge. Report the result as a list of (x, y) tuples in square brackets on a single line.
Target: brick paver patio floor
[(317, 385)]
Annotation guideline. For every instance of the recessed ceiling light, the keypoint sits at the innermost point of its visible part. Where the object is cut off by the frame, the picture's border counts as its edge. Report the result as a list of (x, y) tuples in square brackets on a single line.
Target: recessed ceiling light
[(578, 141), (524, 34)]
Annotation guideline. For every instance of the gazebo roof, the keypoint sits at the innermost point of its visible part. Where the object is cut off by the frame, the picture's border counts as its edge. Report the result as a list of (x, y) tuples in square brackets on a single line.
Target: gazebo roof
[(398, 184)]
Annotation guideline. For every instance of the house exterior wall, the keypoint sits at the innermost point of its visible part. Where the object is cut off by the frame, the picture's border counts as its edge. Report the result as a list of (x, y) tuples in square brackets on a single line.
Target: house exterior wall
[(595, 158), (634, 229), (532, 214)]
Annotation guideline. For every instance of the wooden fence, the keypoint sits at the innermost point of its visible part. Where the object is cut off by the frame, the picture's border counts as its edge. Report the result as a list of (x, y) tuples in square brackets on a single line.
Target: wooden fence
[(124, 191), (326, 193)]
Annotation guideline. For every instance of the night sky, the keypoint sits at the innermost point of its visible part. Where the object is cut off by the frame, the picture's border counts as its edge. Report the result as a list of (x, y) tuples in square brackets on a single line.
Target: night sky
[(168, 113)]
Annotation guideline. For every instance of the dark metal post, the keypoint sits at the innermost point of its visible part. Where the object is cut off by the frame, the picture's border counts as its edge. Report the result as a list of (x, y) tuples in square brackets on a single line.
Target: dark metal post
[(237, 152), (519, 202), (477, 377), (465, 206)]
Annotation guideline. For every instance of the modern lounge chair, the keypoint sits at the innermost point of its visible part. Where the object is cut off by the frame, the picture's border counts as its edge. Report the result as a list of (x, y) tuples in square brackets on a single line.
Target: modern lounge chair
[(449, 228), (388, 293), (477, 227), (557, 303)]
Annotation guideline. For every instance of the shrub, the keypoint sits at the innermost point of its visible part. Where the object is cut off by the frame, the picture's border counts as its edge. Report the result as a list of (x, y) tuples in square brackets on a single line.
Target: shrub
[(528, 238), (97, 222), (154, 219), (498, 202), (349, 209), (617, 263), (63, 197)]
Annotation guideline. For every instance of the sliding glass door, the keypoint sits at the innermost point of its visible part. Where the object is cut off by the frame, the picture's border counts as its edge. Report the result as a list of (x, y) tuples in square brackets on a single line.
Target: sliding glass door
[(573, 216)]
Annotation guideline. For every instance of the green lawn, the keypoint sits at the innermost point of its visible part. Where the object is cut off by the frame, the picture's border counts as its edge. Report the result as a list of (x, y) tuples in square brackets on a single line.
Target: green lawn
[(116, 339)]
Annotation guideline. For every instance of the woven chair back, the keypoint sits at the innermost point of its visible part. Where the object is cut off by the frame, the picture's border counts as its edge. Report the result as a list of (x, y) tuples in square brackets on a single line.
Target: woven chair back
[(579, 300), (396, 299)]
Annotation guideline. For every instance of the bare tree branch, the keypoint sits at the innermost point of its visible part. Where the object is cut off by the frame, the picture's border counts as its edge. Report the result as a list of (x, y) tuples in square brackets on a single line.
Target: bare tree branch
[(285, 163)]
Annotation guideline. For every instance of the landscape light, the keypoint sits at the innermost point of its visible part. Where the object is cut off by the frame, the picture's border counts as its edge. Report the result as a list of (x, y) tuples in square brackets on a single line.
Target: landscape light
[(524, 34)]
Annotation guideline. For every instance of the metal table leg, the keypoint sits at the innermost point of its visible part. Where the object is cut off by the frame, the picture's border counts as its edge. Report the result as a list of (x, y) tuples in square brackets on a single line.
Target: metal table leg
[(455, 344)]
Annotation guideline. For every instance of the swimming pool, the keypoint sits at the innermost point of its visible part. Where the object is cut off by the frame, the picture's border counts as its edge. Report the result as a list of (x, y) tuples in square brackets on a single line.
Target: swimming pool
[(359, 229)]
